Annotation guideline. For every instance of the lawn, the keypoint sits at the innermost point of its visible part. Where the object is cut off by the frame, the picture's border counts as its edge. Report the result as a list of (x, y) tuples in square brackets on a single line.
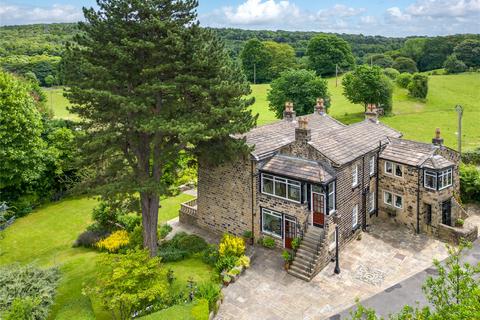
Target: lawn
[(58, 103), (416, 119), (45, 238)]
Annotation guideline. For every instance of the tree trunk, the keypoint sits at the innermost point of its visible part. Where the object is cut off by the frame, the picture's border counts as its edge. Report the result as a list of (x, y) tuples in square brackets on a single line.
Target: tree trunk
[(150, 204)]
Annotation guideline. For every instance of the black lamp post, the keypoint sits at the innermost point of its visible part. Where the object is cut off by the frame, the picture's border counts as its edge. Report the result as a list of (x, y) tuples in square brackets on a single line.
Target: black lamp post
[(337, 266)]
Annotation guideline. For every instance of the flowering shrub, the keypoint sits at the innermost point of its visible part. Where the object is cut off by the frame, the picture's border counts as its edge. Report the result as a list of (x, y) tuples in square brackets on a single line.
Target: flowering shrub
[(114, 242), (243, 261), (231, 246)]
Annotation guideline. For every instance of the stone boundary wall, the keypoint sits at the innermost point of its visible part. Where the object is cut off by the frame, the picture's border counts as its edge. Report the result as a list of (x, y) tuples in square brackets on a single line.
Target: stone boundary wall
[(454, 234)]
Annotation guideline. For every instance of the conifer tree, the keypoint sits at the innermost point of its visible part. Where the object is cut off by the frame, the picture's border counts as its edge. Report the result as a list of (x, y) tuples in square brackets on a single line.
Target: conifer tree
[(150, 85)]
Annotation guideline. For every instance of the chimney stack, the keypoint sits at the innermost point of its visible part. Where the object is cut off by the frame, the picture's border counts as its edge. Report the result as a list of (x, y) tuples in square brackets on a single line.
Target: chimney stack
[(289, 113), (372, 112), (302, 132), (320, 108), (438, 140)]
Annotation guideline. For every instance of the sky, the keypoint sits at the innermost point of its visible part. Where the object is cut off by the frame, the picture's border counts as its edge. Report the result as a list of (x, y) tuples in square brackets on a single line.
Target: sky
[(369, 17)]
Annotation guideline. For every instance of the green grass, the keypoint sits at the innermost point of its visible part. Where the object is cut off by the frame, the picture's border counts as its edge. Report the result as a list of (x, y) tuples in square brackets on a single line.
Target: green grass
[(58, 103), (45, 238), (416, 119)]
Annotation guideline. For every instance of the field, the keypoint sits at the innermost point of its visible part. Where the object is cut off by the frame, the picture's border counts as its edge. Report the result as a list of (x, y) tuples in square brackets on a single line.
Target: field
[(417, 120), (45, 238), (58, 103)]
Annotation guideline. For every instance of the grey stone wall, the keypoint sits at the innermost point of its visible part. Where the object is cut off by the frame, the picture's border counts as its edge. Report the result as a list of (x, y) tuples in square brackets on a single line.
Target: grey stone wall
[(225, 197)]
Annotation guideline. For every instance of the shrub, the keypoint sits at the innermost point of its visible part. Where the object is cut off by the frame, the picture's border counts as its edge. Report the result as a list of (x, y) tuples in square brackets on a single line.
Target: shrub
[(136, 238), (403, 80), (243, 261), (391, 73), (89, 238), (130, 221), (287, 256), (129, 282), (225, 263), (210, 255), (27, 289), (453, 65), (459, 222), (268, 242), (114, 242), (469, 183), (418, 87), (164, 230), (231, 246), (247, 234), (403, 64), (181, 246), (296, 243), (211, 292)]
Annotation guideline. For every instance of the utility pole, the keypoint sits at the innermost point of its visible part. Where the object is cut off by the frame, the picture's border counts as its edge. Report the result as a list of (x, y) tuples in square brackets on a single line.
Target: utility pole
[(336, 74), (254, 73), (459, 110)]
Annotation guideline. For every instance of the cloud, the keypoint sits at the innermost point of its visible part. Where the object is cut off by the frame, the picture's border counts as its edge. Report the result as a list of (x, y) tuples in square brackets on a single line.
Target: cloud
[(14, 14), (259, 12), (444, 8)]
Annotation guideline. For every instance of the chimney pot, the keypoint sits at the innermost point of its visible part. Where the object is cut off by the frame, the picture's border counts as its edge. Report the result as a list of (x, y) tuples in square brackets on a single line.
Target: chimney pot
[(302, 133), (372, 112), (320, 108), (289, 113), (438, 140)]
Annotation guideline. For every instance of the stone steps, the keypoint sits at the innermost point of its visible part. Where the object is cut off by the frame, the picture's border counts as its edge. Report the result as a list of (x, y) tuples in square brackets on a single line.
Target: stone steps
[(306, 256)]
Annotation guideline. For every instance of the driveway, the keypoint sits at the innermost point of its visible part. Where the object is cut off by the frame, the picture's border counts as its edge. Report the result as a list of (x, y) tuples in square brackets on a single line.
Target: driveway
[(387, 254)]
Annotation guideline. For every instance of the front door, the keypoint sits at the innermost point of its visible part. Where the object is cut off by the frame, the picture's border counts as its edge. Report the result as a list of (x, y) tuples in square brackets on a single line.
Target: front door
[(289, 230), (447, 212), (318, 214)]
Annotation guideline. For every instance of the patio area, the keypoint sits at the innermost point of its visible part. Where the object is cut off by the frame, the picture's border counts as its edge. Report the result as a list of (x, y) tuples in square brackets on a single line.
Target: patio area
[(386, 255)]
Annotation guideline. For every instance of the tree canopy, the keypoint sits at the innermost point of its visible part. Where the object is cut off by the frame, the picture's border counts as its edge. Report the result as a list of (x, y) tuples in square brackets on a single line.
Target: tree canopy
[(326, 51), (468, 51), (162, 86), (282, 58), (302, 87), (403, 64), (368, 84), (256, 60)]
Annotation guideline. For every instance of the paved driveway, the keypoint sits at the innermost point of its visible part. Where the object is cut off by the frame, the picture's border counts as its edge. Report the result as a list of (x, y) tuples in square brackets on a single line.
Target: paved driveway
[(386, 255)]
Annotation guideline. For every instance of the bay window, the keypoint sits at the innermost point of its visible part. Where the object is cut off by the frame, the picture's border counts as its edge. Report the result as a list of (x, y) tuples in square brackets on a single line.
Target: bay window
[(438, 180), (281, 187)]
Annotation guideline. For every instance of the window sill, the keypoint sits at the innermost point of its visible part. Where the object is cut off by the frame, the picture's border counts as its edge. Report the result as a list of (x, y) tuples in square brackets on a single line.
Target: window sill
[(278, 197), (273, 235)]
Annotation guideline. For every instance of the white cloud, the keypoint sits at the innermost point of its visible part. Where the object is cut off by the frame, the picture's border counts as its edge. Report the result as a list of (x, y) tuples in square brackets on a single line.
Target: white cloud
[(395, 14), (444, 8), (258, 12), (14, 14)]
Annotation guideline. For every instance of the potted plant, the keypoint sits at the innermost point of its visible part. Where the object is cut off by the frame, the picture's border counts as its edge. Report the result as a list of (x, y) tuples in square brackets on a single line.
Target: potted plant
[(287, 257), (459, 223), (226, 280), (248, 236), (296, 243)]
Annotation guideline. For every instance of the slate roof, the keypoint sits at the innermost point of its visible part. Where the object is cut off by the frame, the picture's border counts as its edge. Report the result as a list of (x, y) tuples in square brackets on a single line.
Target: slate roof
[(414, 153), (338, 142), (298, 168)]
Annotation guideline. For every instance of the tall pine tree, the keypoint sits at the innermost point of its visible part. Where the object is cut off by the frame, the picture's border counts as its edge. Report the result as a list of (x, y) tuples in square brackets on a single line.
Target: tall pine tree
[(150, 84)]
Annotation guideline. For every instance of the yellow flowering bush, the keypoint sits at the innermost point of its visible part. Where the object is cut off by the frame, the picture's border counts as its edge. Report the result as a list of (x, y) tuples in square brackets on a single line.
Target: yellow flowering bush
[(114, 241), (243, 261), (231, 246)]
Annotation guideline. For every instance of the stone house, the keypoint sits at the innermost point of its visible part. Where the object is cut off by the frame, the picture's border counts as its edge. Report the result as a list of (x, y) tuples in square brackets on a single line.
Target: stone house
[(315, 178)]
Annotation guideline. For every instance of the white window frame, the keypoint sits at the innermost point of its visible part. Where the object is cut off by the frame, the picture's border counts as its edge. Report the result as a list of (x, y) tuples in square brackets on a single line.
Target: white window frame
[(385, 198), (372, 202), (331, 193), (287, 182), (395, 201), (275, 214), (396, 165), (355, 216), (392, 167), (431, 174), (372, 165), (355, 176), (444, 174)]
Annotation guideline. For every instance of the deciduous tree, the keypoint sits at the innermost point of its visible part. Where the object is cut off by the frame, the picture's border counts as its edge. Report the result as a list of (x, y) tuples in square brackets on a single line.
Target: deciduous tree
[(468, 51), (151, 85), (403, 64), (302, 87), (367, 85), (256, 61), (326, 51), (282, 57)]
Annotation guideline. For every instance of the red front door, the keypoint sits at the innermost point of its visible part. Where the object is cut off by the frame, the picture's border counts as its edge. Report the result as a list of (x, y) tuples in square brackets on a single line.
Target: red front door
[(317, 206), (289, 232)]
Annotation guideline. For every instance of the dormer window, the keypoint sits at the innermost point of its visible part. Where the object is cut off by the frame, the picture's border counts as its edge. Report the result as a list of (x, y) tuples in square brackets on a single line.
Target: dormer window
[(434, 180)]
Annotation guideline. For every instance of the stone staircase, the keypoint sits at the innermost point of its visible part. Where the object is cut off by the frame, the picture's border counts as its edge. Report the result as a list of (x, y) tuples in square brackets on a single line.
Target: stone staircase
[(303, 265)]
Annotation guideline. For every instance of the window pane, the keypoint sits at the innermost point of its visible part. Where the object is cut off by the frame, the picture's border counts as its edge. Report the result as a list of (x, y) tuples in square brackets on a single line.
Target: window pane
[(430, 180), (372, 165), (388, 167), (388, 198), (294, 193), (355, 216), (398, 170), (267, 186), (398, 201), (372, 201), (449, 178), (271, 223), (280, 189)]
